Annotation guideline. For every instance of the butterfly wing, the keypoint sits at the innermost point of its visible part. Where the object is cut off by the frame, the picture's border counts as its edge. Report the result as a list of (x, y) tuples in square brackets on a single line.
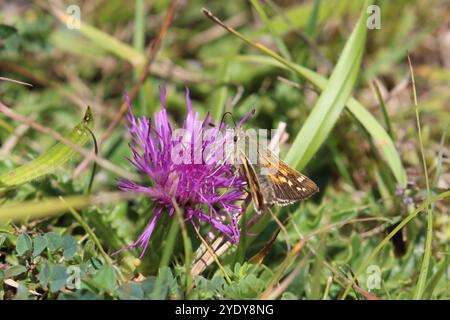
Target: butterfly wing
[(271, 181), (288, 184), (259, 192)]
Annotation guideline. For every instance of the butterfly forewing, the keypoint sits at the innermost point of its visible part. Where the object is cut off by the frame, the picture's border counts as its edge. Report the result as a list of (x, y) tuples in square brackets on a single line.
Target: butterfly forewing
[(288, 184), (270, 180)]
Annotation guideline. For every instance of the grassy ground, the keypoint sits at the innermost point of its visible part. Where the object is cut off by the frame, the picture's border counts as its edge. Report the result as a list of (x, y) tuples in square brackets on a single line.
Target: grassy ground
[(376, 143)]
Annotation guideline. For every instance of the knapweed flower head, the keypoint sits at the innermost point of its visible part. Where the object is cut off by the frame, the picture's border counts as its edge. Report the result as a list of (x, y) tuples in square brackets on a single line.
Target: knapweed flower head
[(185, 172)]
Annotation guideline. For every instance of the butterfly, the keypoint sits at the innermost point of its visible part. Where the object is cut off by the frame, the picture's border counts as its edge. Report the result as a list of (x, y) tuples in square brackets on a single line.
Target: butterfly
[(270, 181)]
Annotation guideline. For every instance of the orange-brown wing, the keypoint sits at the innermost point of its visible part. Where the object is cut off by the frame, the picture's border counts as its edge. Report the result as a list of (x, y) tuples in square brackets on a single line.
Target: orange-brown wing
[(288, 184)]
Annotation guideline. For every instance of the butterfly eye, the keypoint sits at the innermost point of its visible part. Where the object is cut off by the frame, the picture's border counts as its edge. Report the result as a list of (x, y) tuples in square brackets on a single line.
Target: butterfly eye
[(235, 138)]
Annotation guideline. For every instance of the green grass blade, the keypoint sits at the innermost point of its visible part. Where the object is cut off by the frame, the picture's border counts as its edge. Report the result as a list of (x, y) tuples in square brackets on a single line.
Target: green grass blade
[(88, 230), (376, 87), (5, 125), (19, 211), (220, 97), (332, 100), (421, 282), (187, 247), (138, 45), (139, 26), (106, 42), (267, 22), (50, 161), (169, 244), (299, 14), (440, 156), (47, 207), (434, 281), (111, 44), (311, 26)]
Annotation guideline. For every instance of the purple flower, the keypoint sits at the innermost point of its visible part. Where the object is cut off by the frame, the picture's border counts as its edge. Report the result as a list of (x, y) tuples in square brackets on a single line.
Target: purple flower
[(206, 191)]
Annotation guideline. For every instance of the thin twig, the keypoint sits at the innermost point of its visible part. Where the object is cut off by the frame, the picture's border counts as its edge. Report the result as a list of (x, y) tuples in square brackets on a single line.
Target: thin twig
[(16, 81), (9, 144)]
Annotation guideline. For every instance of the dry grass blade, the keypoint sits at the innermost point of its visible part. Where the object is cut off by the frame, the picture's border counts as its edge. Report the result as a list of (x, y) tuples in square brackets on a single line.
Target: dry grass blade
[(259, 256), (16, 81), (288, 280), (206, 255)]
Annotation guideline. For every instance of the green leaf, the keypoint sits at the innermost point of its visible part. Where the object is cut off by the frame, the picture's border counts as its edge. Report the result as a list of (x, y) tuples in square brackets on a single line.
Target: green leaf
[(24, 244), (95, 263), (2, 239), (58, 278), (14, 271), (54, 158), (22, 292), (148, 285), (44, 274), (39, 244), (331, 102), (54, 241), (131, 291), (162, 284), (6, 31), (105, 279), (69, 246), (288, 296), (89, 250)]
